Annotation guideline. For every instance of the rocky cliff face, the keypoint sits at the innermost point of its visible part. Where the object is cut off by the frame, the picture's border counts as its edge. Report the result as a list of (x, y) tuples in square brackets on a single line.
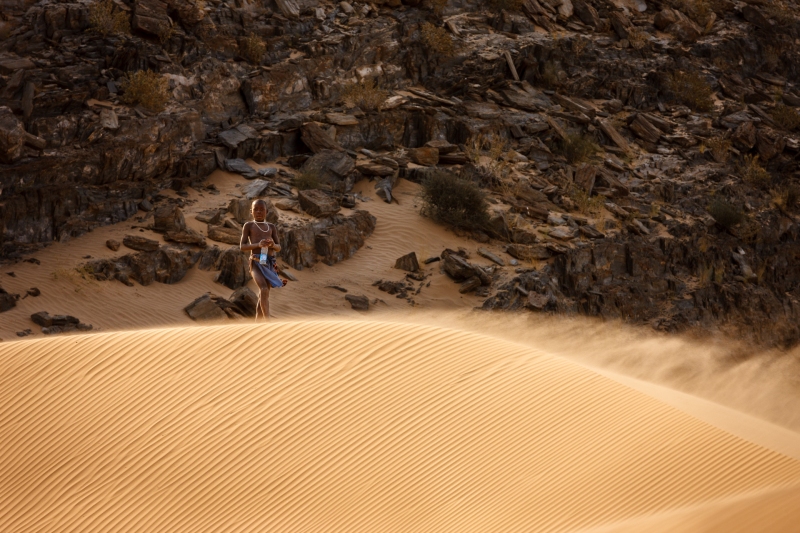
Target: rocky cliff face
[(647, 148)]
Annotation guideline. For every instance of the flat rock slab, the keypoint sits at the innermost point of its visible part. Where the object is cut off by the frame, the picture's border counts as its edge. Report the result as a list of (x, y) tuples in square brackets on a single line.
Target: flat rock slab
[(317, 203), (223, 234), (205, 308), (140, 244), (359, 303), (341, 119), (240, 166), (408, 262)]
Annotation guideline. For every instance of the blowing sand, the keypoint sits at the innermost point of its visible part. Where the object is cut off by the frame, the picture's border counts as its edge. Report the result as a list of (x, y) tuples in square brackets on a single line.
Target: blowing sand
[(335, 425)]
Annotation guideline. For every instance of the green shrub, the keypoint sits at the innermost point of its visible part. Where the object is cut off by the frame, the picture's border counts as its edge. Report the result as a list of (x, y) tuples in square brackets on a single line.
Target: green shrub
[(725, 214), (577, 148), (454, 201), (691, 89), (105, 20), (146, 88)]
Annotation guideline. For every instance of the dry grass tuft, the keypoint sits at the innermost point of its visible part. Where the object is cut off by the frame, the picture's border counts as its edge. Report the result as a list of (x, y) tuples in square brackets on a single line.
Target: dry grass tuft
[(639, 39), (252, 48), (366, 95), (308, 179), (486, 154), (588, 205), (753, 173), (437, 40), (548, 74), (786, 117), (577, 148), (146, 88), (725, 214), (720, 149), (579, 44), (691, 89), (105, 20)]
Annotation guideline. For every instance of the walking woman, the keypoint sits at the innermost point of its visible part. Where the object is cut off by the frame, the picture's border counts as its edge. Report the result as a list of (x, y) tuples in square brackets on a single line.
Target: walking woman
[(260, 238)]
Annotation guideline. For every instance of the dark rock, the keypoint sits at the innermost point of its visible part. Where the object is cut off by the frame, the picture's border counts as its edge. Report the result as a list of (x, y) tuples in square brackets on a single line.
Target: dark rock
[(186, 236), (150, 16), (24, 333), (342, 239), (348, 201), (142, 244), (145, 205), (318, 139), (359, 303), (317, 203), (459, 269), (233, 268), (470, 285), (205, 308), (166, 264), (527, 252), (240, 166), (113, 245), (7, 300), (12, 136), (245, 300), (34, 291), (425, 156), (483, 252), (208, 259), (408, 262), (42, 318), (169, 218), (210, 216), (330, 166), (665, 18)]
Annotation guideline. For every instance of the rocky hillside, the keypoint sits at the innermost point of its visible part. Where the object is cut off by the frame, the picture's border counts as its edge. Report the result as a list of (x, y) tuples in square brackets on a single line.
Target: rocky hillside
[(640, 156)]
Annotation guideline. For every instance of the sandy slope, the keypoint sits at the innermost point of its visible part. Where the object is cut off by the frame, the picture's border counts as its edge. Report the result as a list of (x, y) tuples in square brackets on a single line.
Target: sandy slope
[(357, 426), (113, 306)]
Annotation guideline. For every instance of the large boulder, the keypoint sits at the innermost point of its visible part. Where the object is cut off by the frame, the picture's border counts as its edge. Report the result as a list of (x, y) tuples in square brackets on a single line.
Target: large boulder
[(342, 240), (205, 308), (150, 16), (233, 268), (12, 136), (245, 300), (316, 203), (224, 235), (7, 300), (169, 218), (166, 264), (330, 166)]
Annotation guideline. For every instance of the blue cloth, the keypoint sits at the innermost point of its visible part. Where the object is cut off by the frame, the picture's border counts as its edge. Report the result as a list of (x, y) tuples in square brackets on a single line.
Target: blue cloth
[(268, 271)]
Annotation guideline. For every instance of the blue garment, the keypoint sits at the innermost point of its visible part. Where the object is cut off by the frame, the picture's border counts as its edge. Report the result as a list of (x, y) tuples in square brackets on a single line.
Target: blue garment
[(269, 271)]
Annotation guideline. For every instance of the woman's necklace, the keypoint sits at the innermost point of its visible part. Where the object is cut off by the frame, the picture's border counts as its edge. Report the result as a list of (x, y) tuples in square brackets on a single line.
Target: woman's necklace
[(256, 222)]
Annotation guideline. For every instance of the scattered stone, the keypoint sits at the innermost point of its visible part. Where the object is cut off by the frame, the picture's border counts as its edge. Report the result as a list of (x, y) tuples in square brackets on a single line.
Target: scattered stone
[(113, 245), (141, 244), (205, 308), (245, 300), (7, 300), (34, 291), (255, 188), (169, 218), (318, 139), (208, 259), (12, 136), (287, 204), (210, 216), (433, 259), (318, 204), (528, 252), (233, 268), (408, 262), (240, 166), (359, 303), (425, 156), (24, 333), (187, 236), (483, 252)]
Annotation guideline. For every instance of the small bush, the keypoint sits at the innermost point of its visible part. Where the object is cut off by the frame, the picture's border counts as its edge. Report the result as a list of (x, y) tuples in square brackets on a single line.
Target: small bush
[(787, 197), (105, 20), (639, 39), (508, 5), (753, 173), (577, 148), (146, 88), (252, 48), (308, 179), (586, 204), (437, 40), (719, 148), (548, 74), (725, 214), (366, 95), (454, 201), (579, 44), (786, 117), (691, 89)]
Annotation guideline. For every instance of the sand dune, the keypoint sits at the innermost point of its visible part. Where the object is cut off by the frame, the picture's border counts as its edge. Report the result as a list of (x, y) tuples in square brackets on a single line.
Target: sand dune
[(357, 426)]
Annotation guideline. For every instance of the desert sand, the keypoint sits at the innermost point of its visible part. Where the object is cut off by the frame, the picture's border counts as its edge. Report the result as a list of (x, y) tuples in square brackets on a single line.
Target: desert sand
[(421, 417), (342, 425)]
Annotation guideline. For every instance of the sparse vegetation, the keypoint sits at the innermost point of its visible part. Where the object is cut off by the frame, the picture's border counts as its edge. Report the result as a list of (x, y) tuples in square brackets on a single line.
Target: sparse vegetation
[(753, 173), (787, 197), (308, 179), (691, 89), (80, 277), (437, 40), (106, 20), (455, 201), (786, 117), (720, 149), (588, 205), (486, 154), (548, 74), (725, 214), (577, 148), (146, 88), (252, 48), (638, 39), (579, 44), (366, 95)]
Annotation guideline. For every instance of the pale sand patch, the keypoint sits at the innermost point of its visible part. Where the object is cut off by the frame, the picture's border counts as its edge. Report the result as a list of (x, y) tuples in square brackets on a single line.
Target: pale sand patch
[(336, 425)]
